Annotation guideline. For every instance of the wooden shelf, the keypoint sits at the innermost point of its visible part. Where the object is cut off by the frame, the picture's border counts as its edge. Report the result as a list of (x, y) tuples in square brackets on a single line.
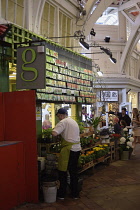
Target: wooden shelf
[(87, 134), (93, 163)]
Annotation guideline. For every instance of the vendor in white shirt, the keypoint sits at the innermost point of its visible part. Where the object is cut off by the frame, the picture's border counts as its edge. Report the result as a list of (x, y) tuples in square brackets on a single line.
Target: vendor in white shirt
[(69, 155)]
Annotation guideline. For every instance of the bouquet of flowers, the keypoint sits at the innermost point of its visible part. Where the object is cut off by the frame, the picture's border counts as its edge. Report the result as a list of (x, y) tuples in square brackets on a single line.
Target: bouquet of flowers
[(126, 141)]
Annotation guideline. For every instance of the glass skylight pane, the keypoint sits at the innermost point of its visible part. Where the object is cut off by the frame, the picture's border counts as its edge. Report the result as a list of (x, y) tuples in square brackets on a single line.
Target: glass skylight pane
[(108, 19)]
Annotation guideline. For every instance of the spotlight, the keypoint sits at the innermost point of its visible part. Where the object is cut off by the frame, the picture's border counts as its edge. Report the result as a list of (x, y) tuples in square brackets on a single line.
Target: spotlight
[(107, 51), (92, 32), (113, 60), (100, 74), (83, 43), (107, 39)]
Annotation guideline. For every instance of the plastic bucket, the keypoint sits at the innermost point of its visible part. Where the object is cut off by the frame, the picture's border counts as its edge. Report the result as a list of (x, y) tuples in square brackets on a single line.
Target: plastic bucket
[(50, 191)]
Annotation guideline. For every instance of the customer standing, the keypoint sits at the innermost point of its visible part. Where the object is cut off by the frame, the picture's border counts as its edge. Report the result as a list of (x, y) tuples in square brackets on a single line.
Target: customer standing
[(136, 129), (69, 154), (122, 116), (117, 127)]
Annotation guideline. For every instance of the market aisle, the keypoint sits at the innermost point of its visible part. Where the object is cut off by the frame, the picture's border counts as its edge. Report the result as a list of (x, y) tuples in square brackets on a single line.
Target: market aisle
[(115, 187)]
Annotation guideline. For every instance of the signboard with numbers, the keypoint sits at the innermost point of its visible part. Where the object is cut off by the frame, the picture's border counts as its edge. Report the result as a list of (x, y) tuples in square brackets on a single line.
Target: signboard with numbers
[(31, 67), (109, 95)]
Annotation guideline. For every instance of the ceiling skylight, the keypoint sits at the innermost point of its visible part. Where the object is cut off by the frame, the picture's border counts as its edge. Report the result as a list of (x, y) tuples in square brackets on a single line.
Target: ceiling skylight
[(109, 17)]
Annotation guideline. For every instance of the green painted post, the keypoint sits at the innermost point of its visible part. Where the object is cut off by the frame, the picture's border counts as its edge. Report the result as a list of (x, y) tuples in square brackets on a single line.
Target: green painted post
[(5, 55)]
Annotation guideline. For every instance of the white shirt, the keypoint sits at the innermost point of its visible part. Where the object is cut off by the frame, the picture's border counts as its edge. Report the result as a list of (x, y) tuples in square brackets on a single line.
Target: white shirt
[(69, 130)]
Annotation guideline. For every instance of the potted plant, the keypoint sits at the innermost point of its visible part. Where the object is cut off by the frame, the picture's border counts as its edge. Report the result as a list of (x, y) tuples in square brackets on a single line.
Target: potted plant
[(94, 122), (126, 147), (89, 156), (47, 135)]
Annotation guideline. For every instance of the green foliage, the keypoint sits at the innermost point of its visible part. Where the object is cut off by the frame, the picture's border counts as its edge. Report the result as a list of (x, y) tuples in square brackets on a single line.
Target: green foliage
[(55, 148), (100, 153), (94, 121), (81, 126), (84, 141), (47, 133), (85, 158)]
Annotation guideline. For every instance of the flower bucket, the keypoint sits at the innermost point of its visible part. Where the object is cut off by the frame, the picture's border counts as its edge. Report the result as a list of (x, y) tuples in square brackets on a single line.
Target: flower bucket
[(50, 191), (125, 155)]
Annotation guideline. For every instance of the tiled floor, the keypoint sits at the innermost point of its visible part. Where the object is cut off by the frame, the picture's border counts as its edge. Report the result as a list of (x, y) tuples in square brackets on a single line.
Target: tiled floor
[(113, 187)]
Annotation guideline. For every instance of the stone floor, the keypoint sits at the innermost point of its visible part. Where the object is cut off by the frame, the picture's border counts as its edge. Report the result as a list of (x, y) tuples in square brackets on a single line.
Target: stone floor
[(113, 187)]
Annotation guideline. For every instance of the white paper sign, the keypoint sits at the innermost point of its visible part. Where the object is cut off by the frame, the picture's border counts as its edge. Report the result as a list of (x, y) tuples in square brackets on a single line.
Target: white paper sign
[(109, 95)]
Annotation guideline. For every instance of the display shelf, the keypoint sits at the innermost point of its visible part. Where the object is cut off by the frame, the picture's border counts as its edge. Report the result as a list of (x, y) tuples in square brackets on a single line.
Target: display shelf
[(86, 166), (88, 148), (91, 164), (117, 153), (112, 151), (76, 81), (86, 134)]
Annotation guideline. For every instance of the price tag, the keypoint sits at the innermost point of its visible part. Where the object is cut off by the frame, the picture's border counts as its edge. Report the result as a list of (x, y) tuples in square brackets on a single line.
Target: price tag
[(63, 90), (72, 92)]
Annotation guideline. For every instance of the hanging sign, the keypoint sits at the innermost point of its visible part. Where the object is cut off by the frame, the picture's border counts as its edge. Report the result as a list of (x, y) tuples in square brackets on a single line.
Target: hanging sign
[(38, 113), (31, 67), (110, 95)]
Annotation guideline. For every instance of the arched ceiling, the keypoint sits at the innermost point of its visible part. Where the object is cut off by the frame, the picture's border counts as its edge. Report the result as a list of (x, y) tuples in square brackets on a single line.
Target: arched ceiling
[(94, 10), (129, 8)]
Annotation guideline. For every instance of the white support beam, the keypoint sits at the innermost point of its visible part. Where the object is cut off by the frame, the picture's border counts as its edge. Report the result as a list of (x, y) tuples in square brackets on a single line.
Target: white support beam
[(89, 8), (128, 5), (133, 38), (38, 6), (102, 6)]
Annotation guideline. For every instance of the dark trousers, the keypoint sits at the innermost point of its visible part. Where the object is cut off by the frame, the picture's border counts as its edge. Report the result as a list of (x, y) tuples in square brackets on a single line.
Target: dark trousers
[(73, 172)]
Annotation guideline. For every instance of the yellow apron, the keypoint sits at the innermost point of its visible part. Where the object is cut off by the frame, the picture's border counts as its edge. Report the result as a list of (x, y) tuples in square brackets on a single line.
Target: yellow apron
[(64, 155)]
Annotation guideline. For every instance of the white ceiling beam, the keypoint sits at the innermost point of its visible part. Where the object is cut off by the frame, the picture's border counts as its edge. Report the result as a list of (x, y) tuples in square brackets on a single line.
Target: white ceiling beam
[(38, 6), (128, 5), (131, 43), (101, 7)]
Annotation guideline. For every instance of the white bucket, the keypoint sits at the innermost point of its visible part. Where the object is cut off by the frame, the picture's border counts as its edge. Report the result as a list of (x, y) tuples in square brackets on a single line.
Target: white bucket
[(49, 193)]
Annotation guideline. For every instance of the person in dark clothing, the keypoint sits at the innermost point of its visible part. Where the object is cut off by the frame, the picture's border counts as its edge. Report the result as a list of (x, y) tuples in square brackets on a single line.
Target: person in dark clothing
[(117, 127), (122, 124), (122, 116), (125, 117)]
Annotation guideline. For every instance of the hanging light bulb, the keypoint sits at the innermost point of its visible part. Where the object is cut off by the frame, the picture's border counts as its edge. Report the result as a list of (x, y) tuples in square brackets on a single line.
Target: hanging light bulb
[(100, 73)]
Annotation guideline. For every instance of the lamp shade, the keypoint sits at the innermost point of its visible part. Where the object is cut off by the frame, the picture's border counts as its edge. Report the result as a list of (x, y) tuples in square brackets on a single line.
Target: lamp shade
[(83, 43), (113, 60), (107, 51), (100, 74), (107, 39)]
